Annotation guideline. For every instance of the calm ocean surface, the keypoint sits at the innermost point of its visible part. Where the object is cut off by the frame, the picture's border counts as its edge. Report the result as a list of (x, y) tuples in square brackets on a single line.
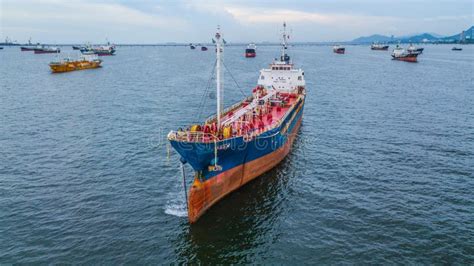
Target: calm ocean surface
[(382, 170)]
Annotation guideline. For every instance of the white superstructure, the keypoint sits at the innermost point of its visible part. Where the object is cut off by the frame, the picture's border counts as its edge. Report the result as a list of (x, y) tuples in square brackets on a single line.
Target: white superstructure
[(281, 75)]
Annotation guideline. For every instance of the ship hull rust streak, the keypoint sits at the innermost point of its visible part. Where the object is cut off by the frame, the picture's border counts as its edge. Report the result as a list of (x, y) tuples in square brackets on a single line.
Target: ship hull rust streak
[(203, 195)]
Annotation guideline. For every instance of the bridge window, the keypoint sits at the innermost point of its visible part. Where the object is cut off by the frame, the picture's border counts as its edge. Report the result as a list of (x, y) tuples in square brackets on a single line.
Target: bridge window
[(299, 78)]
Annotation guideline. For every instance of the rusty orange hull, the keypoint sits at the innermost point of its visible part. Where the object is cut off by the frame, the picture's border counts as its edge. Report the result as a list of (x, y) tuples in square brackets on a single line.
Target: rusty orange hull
[(203, 195)]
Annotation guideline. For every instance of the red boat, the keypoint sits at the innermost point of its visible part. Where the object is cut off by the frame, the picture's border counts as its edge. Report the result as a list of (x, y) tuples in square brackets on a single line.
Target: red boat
[(251, 51), (404, 55), (339, 49)]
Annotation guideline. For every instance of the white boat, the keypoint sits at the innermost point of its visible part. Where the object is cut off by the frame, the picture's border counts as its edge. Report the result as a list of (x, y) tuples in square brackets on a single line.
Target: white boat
[(338, 49), (402, 54), (414, 50)]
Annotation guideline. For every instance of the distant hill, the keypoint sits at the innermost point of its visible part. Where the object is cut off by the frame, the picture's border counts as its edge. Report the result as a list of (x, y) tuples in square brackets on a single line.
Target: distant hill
[(420, 38), (423, 37), (469, 33), (372, 38)]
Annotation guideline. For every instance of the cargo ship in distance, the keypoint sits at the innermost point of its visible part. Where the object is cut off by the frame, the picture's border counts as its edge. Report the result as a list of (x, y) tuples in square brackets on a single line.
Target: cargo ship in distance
[(245, 140), (85, 61), (46, 50), (102, 50), (338, 49), (379, 47), (251, 51), (404, 55)]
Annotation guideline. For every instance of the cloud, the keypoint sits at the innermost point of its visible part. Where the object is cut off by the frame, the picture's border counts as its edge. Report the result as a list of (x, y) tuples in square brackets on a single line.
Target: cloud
[(59, 16), (150, 21), (257, 15), (77, 11)]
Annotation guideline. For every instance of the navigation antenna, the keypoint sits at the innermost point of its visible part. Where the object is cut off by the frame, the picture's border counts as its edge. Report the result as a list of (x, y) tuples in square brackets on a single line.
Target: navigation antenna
[(284, 44), (218, 75)]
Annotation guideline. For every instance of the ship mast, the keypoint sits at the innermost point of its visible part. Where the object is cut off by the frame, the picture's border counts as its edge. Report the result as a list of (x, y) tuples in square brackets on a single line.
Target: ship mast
[(218, 76), (284, 44)]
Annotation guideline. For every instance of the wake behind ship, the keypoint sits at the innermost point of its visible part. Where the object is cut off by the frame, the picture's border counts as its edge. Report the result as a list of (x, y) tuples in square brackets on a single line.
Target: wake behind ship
[(245, 140)]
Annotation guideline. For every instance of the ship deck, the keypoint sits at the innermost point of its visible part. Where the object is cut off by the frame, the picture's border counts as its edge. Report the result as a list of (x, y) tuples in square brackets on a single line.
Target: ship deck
[(246, 118), (272, 116)]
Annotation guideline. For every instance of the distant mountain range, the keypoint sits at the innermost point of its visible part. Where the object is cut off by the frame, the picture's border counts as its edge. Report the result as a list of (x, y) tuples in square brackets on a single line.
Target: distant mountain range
[(423, 37)]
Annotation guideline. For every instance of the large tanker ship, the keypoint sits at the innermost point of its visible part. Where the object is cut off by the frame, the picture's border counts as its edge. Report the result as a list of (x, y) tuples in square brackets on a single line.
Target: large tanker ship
[(245, 140)]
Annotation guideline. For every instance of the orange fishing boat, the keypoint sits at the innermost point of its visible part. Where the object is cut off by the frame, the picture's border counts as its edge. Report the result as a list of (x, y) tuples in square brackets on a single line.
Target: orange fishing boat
[(86, 61)]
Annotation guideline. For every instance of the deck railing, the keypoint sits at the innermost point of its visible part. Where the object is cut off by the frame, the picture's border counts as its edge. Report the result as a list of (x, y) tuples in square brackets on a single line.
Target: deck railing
[(200, 136)]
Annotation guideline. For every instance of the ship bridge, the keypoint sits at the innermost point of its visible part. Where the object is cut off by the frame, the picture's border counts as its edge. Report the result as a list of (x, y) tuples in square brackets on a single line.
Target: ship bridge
[(281, 76)]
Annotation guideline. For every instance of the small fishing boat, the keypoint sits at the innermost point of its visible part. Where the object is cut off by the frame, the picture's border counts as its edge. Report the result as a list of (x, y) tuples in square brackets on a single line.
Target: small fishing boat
[(249, 138), (401, 54), (379, 47), (456, 49), (1, 47), (251, 50), (203, 48), (414, 50), (77, 47), (47, 50), (192, 47), (85, 61), (338, 49)]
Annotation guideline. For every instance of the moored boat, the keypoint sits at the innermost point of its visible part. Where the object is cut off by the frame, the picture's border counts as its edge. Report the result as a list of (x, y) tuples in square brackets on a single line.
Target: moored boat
[(245, 140), (203, 48), (456, 49), (404, 55), (192, 47), (251, 50), (102, 50), (86, 61), (47, 50), (379, 47), (415, 50), (338, 49), (27, 48), (74, 47)]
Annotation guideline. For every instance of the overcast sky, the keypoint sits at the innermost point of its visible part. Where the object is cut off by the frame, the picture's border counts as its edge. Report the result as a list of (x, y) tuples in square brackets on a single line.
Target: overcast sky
[(148, 21)]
